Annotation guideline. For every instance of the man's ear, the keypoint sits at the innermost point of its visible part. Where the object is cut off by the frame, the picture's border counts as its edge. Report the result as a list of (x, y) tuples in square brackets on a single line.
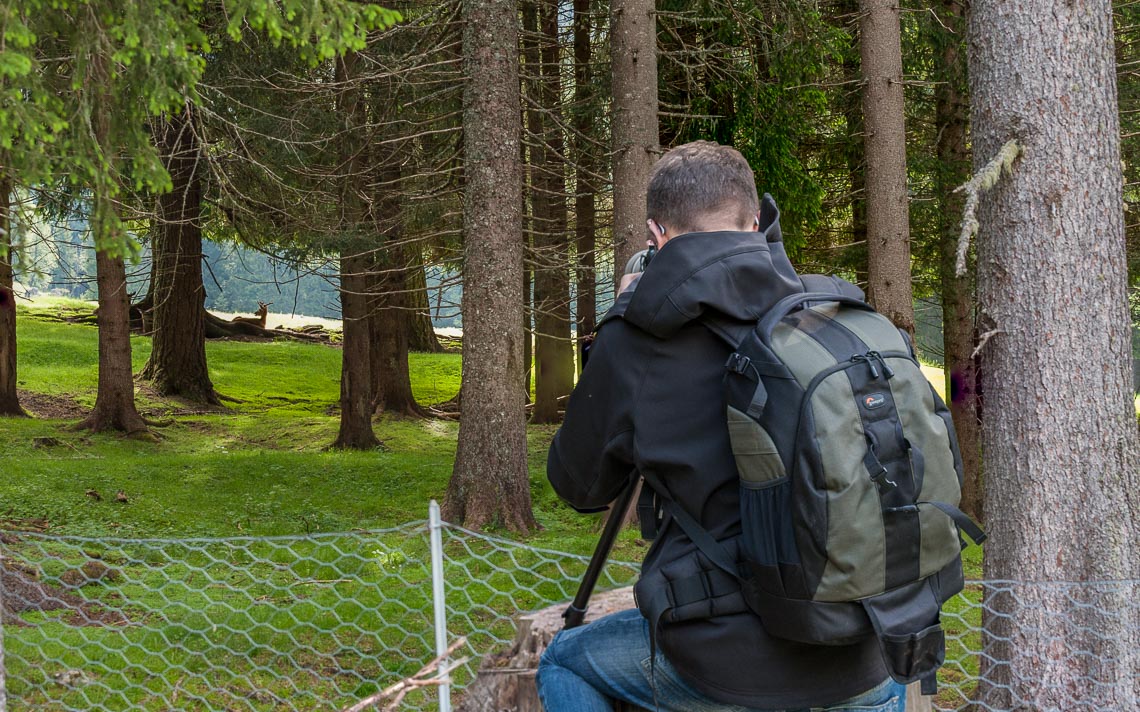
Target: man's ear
[(756, 222)]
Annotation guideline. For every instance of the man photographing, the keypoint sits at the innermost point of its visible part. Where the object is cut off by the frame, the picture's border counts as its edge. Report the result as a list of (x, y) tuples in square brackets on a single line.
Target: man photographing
[(651, 402)]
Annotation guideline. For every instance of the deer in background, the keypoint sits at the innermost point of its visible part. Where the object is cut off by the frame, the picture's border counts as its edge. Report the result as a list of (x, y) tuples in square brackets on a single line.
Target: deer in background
[(262, 312)]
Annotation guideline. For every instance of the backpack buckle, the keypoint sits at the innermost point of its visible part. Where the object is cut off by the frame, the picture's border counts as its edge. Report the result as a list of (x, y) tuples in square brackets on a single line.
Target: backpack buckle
[(878, 472), (880, 477), (738, 363)]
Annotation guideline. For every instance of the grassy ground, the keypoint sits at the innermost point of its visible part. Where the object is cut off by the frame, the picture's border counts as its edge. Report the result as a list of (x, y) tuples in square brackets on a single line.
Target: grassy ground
[(256, 468)]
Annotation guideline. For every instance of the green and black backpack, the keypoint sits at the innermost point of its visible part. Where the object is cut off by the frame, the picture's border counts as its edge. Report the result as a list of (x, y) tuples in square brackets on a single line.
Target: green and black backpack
[(850, 477)]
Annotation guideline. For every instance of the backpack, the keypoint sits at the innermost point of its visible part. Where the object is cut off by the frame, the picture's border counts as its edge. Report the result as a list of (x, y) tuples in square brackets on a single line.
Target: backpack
[(850, 476)]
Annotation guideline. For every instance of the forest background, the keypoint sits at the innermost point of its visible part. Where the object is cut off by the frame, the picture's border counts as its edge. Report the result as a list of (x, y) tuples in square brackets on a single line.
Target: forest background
[(486, 160), (166, 158)]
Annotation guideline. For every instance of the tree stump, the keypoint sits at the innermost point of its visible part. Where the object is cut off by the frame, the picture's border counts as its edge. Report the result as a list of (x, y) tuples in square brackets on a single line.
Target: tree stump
[(505, 681)]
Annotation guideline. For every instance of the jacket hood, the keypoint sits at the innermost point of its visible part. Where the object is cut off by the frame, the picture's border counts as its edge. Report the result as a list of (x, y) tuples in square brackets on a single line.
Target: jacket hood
[(738, 275)]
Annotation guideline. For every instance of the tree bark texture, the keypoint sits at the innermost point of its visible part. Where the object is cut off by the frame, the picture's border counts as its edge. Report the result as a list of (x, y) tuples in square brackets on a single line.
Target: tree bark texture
[(355, 263), (177, 364), (115, 395), (951, 111), (490, 481), (390, 307), (505, 680), (854, 153), (355, 370), (528, 323), (115, 398), (1059, 432), (958, 300), (633, 47), (421, 333), (554, 350), (388, 317), (888, 226), (9, 400), (585, 164), (530, 154)]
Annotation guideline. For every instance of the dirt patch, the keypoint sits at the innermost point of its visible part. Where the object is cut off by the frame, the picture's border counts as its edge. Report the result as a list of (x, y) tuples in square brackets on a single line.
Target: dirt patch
[(45, 405), (24, 592)]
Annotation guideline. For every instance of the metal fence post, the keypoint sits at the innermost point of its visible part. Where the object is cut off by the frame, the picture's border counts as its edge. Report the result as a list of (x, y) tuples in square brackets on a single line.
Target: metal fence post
[(438, 603)]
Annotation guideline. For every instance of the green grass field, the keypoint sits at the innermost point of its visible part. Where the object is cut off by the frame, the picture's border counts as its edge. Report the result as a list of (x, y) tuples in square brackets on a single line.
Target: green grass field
[(257, 468)]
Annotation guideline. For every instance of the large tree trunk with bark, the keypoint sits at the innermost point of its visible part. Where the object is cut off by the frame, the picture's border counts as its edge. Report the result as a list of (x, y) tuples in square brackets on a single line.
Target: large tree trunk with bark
[(490, 481), (115, 397), (854, 252), (388, 318), (391, 377), (177, 364), (554, 350), (528, 322), (951, 109), (585, 164), (355, 264), (421, 333), (391, 293), (9, 400), (888, 226), (530, 153), (355, 369), (633, 42), (1059, 434)]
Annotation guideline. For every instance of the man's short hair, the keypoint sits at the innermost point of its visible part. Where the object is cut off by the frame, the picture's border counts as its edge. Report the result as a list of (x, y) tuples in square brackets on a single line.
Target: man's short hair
[(699, 180)]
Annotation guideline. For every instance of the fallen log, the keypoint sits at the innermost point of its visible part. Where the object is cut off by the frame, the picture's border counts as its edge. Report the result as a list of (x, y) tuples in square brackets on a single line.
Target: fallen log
[(505, 681)]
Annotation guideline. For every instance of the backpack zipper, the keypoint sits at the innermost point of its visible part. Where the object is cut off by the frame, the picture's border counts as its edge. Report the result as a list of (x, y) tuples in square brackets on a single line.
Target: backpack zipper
[(868, 358)]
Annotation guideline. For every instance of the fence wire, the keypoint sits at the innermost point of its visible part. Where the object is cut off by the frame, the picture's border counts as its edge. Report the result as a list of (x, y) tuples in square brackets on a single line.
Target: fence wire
[(321, 622)]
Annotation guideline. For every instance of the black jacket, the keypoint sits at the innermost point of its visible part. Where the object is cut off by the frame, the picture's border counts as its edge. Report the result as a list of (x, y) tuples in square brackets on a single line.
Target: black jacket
[(650, 401)]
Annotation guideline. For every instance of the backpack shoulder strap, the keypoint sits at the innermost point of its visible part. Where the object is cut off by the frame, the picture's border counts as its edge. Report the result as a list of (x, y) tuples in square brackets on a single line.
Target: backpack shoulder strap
[(700, 536), (829, 284)]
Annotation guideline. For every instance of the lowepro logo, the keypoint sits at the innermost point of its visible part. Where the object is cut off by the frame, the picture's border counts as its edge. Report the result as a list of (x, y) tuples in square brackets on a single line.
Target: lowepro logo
[(875, 400)]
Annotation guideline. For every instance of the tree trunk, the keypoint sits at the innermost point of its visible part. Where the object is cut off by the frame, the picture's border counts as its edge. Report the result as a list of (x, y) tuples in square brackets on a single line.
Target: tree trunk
[(1059, 434), (554, 350), (528, 324), (115, 397), (633, 40), (530, 152), (490, 481), (888, 227), (951, 107), (177, 364), (391, 377), (355, 370), (505, 680), (388, 318), (585, 212), (355, 263), (9, 400), (421, 333), (854, 256)]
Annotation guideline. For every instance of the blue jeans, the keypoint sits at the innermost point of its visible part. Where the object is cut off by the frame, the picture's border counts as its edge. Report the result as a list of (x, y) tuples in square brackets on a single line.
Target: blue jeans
[(587, 668)]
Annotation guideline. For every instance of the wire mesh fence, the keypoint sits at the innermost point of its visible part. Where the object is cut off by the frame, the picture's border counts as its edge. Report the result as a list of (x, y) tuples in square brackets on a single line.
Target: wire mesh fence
[(321, 622)]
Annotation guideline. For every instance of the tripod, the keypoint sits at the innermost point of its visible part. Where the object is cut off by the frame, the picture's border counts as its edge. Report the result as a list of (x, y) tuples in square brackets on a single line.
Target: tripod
[(576, 611)]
